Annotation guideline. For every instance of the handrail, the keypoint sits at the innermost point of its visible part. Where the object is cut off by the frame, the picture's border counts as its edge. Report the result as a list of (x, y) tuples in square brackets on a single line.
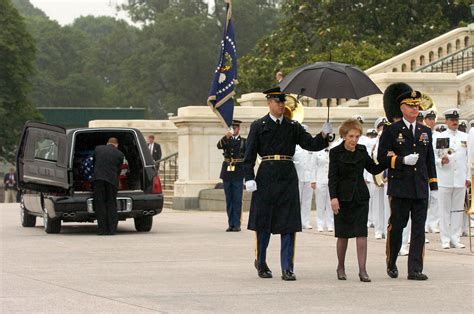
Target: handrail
[(168, 170), (459, 55)]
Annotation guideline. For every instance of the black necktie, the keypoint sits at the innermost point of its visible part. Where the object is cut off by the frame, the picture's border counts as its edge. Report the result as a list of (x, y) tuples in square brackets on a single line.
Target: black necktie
[(411, 129), (278, 122)]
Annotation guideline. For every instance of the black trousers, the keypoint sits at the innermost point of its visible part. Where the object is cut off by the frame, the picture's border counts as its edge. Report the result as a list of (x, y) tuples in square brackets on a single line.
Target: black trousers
[(105, 206), (400, 209)]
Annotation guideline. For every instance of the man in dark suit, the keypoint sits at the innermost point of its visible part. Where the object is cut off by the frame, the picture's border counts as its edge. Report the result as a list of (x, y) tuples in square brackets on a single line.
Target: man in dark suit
[(155, 148), (10, 183), (411, 171), (275, 205), (107, 161), (232, 174)]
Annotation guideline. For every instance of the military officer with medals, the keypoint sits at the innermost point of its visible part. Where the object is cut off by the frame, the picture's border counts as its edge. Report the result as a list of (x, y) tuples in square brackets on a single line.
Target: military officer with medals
[(232, 174), (275, 204), (411, 170), (451, 166)]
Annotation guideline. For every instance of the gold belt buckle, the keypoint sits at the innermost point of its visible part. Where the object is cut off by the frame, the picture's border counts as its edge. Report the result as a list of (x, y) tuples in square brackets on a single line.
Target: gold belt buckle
[(277, 157), (230, 168)]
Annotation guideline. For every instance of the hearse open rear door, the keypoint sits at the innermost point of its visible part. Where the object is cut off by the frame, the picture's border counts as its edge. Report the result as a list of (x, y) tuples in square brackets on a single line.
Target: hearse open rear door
[(42, 163)]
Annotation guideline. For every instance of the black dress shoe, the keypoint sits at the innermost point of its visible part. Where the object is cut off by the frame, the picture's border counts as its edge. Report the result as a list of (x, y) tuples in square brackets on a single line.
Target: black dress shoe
[(262, 270), (417, 276), (236, 229), (288, 275), (392, 272), (228, 229)]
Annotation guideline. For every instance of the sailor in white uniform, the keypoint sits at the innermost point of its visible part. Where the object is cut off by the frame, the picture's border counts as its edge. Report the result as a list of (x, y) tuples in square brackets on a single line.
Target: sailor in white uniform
[(451, 167)]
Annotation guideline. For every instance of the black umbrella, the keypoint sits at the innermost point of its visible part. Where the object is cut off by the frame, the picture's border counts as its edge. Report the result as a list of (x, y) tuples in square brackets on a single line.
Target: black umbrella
[(329, 80)]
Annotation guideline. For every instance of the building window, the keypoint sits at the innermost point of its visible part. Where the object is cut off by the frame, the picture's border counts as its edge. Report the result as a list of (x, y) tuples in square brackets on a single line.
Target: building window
[(431, 56), (466, 41), (404, 67), (440, 52), (458, 44), (394, 70), (448, 49), (412, 65)]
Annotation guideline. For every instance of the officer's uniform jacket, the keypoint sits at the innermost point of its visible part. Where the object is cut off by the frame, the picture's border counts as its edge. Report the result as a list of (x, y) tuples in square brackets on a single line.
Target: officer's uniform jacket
[(234, 151), (303, 165), (454, 173), (275, 205), (408, 181)]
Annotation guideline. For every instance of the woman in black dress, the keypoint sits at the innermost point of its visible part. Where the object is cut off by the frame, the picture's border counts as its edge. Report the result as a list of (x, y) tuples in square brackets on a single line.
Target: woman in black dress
[(350, 195)]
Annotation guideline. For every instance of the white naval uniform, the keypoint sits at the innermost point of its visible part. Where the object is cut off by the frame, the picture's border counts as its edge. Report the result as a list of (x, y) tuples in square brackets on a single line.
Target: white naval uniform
[(324, 214), (304, 169), (369, 144), (451, 182), (378, 201), (432, 217)]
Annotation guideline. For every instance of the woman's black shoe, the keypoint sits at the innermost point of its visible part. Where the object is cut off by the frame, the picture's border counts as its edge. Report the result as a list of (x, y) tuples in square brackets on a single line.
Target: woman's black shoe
[(341, 274), (364, 278)]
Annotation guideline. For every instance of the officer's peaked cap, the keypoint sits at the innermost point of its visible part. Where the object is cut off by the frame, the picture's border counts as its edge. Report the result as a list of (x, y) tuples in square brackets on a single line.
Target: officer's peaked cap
[(410, 98), (276, 93), (452, 113)]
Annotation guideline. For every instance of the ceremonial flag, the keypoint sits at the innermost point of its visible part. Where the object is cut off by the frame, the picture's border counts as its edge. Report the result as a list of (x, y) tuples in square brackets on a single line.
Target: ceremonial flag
[(221, 93)]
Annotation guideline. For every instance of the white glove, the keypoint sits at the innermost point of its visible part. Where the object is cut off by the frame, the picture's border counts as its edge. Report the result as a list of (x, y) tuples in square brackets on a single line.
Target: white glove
[(251, 185), (327, 128), (410, 160)]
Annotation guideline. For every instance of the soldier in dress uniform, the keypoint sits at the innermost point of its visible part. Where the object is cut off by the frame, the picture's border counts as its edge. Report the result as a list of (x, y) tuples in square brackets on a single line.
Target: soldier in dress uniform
[(275, 205), (451, 166), (462, 126), (432, 220), (378, 196), (304, 170), (232, 174), (319, 182), (411, 170)]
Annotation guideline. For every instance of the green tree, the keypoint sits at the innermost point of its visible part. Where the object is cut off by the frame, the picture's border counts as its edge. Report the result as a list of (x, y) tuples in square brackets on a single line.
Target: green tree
[(337, 30), (17, 52)]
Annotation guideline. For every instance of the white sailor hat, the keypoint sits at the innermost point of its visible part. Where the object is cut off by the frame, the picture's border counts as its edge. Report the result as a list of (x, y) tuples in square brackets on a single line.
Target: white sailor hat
[(452, 113), (379, 121), (371, 132), (358, 117), (429, 114), (441, 127)]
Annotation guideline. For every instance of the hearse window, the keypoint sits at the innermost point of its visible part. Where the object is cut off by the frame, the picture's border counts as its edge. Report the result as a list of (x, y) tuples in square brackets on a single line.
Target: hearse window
[(46, 149)]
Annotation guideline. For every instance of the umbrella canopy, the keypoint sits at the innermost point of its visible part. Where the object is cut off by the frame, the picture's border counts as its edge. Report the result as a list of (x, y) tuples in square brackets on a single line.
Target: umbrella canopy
[(329, 80)]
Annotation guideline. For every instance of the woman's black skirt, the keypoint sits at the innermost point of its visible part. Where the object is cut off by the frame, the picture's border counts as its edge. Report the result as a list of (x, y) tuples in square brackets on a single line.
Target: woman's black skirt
[(351, 221)]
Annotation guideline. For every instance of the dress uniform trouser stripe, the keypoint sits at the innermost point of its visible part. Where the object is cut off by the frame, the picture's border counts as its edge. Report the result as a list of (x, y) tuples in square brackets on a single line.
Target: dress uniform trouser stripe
[(389, 229)]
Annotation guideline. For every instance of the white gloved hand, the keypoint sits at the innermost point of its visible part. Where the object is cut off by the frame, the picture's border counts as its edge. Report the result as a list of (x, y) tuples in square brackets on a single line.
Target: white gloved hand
[(327, 128), (410, 160), (251, 185)]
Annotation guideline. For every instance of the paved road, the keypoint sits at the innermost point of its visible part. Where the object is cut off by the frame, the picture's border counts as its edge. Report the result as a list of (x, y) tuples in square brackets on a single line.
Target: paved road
[(189, 264)]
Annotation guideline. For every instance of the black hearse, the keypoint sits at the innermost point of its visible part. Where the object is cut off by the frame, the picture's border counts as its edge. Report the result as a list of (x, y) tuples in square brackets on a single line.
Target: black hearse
[(54, 186)]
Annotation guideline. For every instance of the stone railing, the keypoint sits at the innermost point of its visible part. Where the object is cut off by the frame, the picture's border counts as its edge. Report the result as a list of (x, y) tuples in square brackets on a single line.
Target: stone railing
[(427, 53)]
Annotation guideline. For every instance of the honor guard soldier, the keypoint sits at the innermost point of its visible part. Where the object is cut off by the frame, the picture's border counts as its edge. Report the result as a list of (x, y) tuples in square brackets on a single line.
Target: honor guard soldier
[(275, 205), (232, 174), (451, 166), (432, 219), (411, 170)]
